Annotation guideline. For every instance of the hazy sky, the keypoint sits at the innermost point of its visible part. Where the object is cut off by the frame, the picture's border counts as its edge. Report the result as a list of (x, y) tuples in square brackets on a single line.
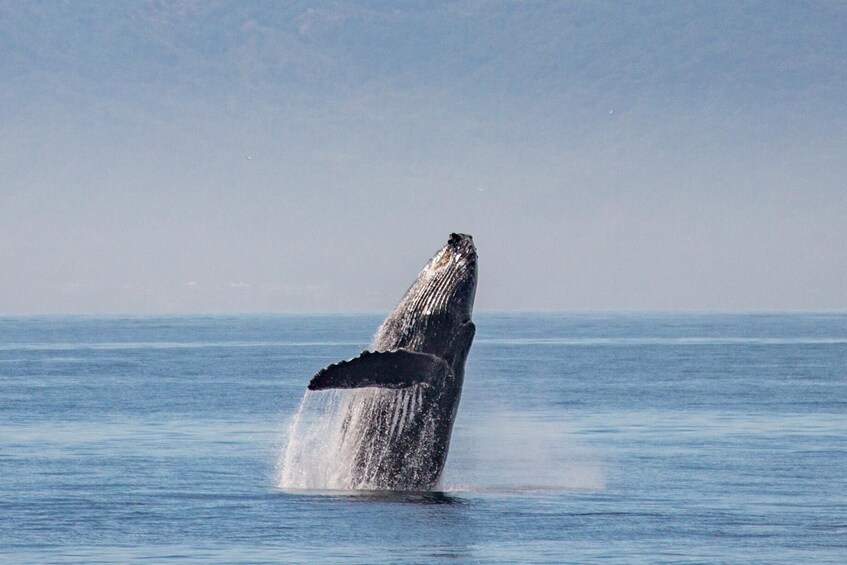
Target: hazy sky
[(310, 156)]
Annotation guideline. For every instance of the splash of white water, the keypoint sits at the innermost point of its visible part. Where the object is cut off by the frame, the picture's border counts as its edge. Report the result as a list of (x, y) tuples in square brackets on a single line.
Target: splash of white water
[(332, 444), (501, 450)]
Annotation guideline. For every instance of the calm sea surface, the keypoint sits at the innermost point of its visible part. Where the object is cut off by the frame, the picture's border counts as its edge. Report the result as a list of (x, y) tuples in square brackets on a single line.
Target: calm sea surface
[(616, 438)]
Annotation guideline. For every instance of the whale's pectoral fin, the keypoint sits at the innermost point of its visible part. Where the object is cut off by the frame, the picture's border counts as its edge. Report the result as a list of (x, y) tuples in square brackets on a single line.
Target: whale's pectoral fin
[(384, 369), (461, 343)]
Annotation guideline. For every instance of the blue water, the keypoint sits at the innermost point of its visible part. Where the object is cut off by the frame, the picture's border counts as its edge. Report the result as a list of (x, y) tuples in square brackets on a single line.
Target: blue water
[(621, 438)]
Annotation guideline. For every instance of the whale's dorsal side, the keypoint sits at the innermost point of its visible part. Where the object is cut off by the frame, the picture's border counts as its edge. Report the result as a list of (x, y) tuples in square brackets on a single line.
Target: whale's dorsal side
[(384, 369)]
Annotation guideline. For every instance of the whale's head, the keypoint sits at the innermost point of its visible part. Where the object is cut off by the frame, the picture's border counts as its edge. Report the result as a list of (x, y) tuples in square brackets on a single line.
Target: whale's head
[(452, 276), (439, 301)]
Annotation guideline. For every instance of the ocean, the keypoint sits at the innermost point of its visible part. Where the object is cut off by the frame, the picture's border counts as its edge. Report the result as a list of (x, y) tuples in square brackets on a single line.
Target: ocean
[(621, 438)]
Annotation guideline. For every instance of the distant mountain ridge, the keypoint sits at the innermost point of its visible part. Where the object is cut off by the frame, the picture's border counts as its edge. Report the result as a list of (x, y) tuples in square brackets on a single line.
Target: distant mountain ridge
[(550, 52)]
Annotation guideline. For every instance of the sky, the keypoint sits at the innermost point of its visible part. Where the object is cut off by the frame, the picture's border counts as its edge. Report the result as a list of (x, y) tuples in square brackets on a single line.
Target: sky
[(224, 157)]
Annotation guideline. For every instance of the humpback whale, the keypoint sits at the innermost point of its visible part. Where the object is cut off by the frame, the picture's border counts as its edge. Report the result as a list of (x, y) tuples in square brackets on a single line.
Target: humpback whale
[(395, 433)]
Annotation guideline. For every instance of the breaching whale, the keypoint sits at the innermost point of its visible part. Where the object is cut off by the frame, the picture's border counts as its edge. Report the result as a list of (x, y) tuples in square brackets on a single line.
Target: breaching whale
[(396, 435)]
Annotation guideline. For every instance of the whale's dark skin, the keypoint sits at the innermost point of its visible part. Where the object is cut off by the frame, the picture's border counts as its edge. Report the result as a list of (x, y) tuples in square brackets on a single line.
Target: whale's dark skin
[(400, 433)]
